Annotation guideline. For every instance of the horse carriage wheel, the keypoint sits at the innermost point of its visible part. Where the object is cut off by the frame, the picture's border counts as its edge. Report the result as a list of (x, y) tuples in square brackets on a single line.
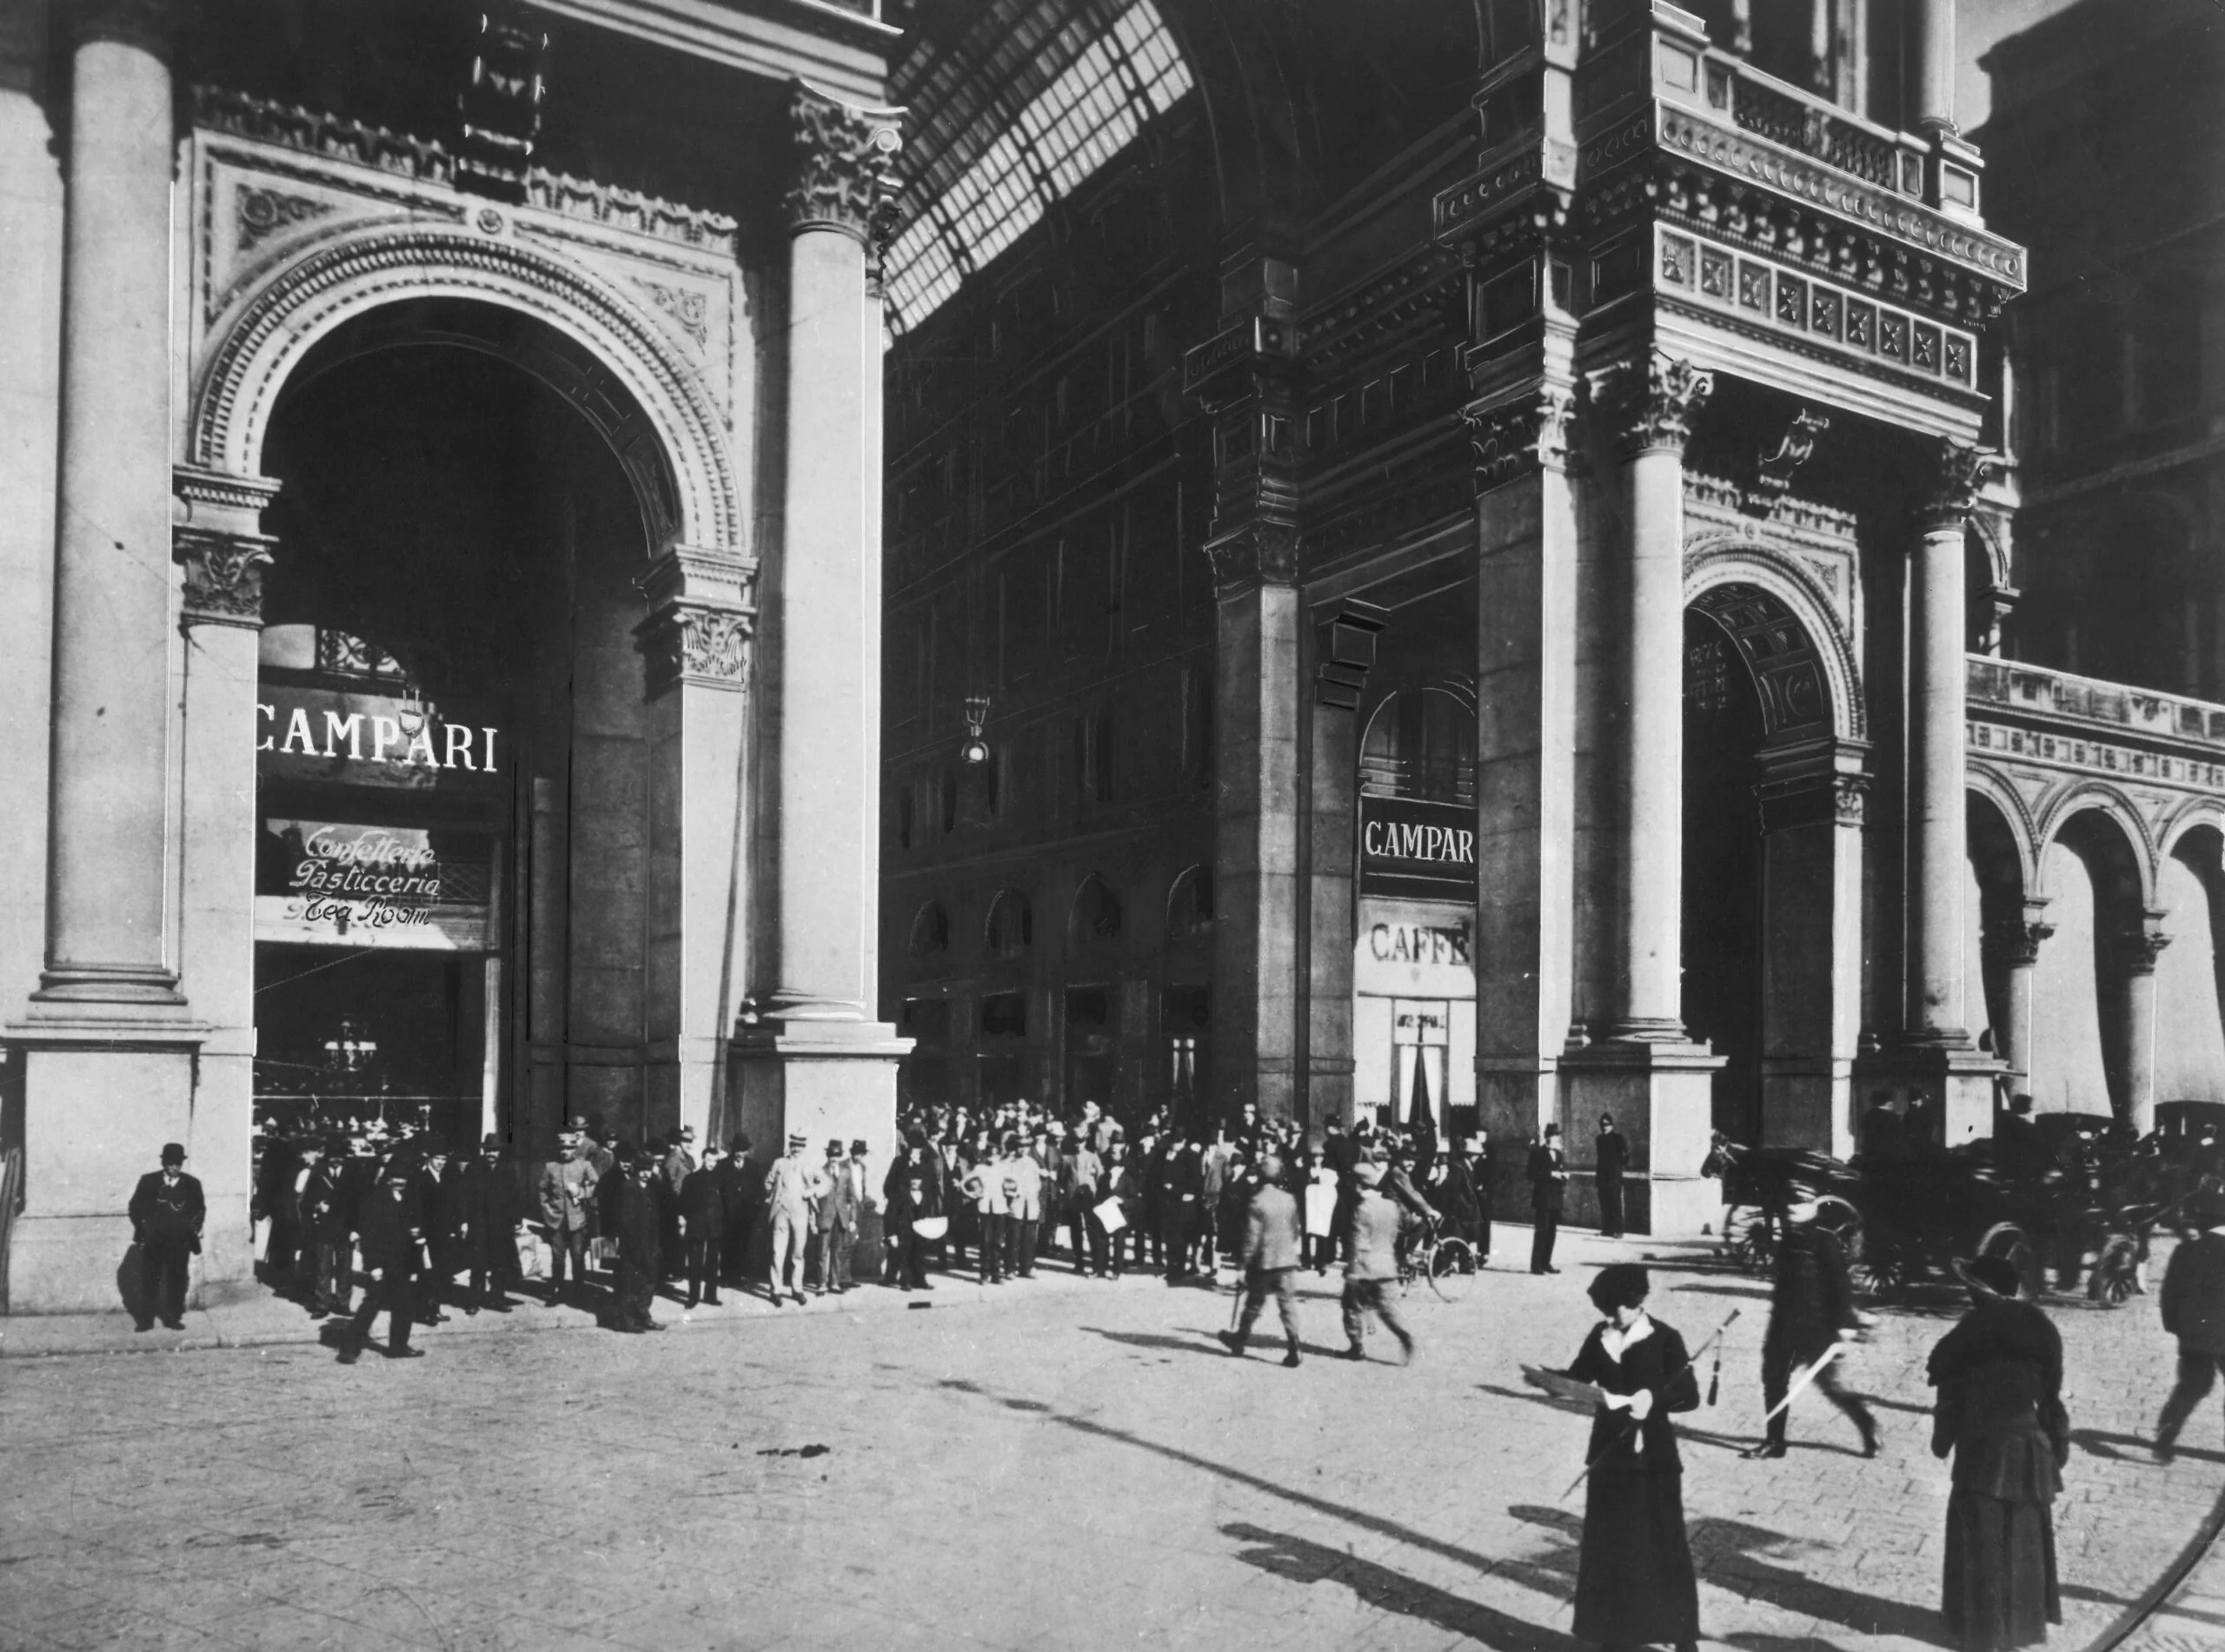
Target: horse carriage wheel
[(1839, 1218), (2116, 1272), (1755, 1246), (2007, 1241)]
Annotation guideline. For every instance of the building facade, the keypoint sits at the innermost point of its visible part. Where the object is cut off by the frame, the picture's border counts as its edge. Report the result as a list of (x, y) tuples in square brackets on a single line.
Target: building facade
[(1485, 595), (443, 448)]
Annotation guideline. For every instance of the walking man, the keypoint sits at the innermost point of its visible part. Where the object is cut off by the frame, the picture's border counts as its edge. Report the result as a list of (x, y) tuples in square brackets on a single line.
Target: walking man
[(568, 1204), (790, 1188), (167, 1210), (1548, 1190), (2194, 1311), (1269, 1259), (1372, 1269), (1610, 1154), (324, 1227), (1811, 1307), (392, 1227)]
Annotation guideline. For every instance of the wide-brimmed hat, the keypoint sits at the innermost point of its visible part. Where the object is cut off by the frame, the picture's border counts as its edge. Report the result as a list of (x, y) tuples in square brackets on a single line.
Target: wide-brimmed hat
[(1991, 1276)]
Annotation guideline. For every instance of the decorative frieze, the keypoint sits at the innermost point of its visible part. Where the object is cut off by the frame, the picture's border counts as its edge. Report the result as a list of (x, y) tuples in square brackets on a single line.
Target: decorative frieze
[(260, 213), (1836, 319), (845, 159)]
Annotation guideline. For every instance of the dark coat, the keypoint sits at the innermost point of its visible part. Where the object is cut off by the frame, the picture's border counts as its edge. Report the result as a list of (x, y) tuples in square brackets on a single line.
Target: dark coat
[(324, 1216), (1456, 1195), (1613, 1156), (737, 1199), (172, 1210), (2194, 1295), (703, 1203), (388, 1229), (1812, 1300), (1180, 1183), (1635, 1579), (359, 1179), (442, 1198), (632, 1215), (489, 1206), (1547, 1195)]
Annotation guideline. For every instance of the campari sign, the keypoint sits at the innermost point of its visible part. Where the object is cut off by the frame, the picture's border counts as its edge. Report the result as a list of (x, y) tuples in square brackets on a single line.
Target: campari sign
[(1422, 850), (366, 739)]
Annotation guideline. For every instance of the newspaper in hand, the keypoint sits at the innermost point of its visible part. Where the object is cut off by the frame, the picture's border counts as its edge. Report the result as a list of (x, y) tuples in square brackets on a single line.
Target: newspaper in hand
[(1564, 1388)]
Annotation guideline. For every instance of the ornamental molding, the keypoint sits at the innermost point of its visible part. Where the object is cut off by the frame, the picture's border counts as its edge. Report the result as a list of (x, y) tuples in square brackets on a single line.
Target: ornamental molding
[(1513, 438), (2026, 749), (693, 643), (223, 574), (1954, 474), (1653, 406), (1740, 559), (2018, 946), (2140, 950), (845, 158), (330, 279), (260, 213), (1732, 510), (1260, 553)]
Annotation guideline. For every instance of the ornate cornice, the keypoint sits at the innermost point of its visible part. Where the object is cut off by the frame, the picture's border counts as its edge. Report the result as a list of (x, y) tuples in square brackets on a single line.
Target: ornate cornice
[(845, 159), (1653, 406), (1954, 474), (1509, 439)]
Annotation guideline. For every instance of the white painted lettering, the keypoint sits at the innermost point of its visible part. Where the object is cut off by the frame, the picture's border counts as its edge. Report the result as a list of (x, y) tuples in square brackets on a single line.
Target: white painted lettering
[(351, 731), (459, 737), (265, 713)]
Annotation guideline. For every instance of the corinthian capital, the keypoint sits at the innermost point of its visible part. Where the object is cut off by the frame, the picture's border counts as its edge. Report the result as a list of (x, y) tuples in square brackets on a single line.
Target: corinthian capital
[(1511, 438), (1656, 405), (1956, 471), (846, 158), (216, 538)]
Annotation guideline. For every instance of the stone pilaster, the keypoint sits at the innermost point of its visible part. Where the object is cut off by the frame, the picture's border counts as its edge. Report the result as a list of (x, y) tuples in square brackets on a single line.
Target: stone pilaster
[(815, 1058), (2139, 952), (2013, 948)]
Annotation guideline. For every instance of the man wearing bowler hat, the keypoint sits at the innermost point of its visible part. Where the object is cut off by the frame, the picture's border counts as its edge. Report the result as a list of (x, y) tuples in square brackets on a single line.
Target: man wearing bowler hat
[(167, 1210), (1548, 1171), (790, 1189), (392, 1227), (491, 1218)]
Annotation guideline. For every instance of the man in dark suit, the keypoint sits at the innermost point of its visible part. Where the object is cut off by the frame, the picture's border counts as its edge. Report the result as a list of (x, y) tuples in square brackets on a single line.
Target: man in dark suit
[(2194, 1311), (703, 1221), (637, 1219), (167, 1210), (738, 1200), (324, 1231), (1548, 1191), (389, 1229), (359, 1179), (1612, 1155), (439, 1191), (492, 1215), (1181, 1185), (1340, 1154)]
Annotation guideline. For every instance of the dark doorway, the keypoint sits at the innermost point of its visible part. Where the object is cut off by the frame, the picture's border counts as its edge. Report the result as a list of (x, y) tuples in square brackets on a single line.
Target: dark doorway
[(1722, 871)]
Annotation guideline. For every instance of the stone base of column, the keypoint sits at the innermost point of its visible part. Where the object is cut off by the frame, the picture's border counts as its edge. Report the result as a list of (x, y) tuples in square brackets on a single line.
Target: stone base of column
[(99, 1098), (1806, 1103), (823, 1080), (1955, 1078), (1662, 1097)]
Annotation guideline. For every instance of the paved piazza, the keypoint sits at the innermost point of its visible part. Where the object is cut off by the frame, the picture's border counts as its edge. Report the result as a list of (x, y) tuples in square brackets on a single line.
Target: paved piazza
[(1065, 1464)]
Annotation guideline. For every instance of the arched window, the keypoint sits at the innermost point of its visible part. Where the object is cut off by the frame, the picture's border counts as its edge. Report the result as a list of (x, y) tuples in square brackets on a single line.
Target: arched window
[(1421, 743), (1011, 929), (1189, 905), (1096, 917), (930, 930)]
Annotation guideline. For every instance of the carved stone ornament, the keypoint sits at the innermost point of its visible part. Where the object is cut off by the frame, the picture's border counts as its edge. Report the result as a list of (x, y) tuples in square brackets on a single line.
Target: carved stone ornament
[(223, 574), (2142, 950), (2018, 945), (1260, 553), (1657, 409), (690, 643), (265, 213), (845, 159), (1957, 470), (1849, 799), (1509, 439)]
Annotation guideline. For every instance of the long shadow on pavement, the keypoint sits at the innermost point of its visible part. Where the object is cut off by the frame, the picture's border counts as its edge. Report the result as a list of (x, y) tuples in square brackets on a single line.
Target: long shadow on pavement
[(1299, 1561), (1727, 1555), (2102, 1443)]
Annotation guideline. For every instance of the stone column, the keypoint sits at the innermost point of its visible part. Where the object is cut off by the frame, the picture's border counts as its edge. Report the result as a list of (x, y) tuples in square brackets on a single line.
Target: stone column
[(2142, 949), (1813, 798), (1256, 893), (2016, 951), (217, 540), (1930, 29), (697, 641), (108, 789), (1656, 1082), (1525, 768), (1937, 1052), (1657, 423), (816, 1059)]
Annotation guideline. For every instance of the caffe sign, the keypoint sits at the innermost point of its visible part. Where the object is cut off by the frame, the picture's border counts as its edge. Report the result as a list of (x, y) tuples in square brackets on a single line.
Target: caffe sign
[(1413, 848)]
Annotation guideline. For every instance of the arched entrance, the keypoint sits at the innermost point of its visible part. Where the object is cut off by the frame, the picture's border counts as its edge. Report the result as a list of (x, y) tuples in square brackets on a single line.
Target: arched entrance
[(460, 767), (1773, 794)]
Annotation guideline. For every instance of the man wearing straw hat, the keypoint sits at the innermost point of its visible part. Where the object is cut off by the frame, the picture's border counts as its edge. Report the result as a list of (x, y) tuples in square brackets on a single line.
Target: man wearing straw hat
[(790, 1190)]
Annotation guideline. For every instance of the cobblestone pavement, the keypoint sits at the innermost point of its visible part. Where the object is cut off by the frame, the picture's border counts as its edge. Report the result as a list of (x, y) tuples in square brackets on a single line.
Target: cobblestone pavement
[(1071, 1465)]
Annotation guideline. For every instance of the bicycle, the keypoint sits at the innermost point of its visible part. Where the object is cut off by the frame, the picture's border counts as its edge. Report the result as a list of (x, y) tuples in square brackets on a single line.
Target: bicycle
[(1446, 1260)]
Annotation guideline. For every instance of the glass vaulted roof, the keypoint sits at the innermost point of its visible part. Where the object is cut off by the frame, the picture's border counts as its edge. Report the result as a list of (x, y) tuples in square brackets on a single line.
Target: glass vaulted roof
[(1016, 114)]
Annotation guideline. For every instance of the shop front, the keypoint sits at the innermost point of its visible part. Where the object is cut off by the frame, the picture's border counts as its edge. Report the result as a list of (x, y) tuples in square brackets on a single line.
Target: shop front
[(1413, 965)]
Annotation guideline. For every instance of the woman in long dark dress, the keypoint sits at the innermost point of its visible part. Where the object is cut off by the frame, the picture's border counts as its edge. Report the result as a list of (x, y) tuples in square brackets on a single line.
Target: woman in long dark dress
[(1635, 1584), (1999, 1374)]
